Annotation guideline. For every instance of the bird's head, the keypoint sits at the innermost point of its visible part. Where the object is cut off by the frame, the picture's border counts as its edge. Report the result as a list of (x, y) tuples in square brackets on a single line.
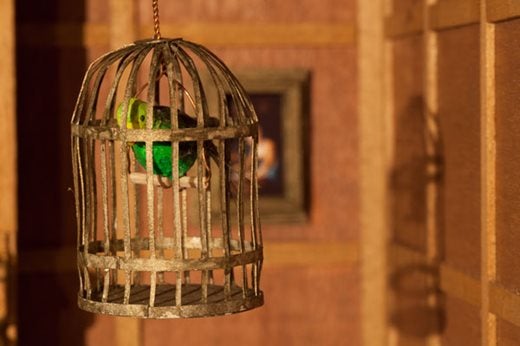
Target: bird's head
[(136, 115)]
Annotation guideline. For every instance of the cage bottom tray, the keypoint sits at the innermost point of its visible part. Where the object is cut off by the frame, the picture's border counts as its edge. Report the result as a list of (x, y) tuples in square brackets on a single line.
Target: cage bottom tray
[(165, 304)]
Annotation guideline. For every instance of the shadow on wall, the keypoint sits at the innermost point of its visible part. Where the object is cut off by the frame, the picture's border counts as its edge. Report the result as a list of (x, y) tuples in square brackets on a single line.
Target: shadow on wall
[(417, 303), (48, 80)]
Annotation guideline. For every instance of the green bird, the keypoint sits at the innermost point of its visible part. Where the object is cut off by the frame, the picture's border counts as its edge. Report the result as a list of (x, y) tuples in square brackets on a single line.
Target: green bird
[(162, 151)]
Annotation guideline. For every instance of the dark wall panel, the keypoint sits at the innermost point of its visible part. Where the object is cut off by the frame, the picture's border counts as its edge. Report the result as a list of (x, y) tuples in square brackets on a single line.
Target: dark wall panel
[(459, 117)]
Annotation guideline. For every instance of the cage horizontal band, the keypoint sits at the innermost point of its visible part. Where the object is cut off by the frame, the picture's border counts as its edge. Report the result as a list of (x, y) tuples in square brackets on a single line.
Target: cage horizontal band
[(164, 243), (233, 304), (143, 135), (172, 265)]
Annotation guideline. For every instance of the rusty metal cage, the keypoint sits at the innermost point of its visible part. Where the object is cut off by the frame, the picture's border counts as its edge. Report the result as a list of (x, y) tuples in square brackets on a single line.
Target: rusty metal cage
[(154, 245)]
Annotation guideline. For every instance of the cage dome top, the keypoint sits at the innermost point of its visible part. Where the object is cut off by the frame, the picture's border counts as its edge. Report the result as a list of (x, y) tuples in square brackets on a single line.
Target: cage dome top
[(196, 80)]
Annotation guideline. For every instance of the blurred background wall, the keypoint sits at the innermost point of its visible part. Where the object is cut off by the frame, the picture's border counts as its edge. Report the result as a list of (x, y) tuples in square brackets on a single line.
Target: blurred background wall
[(311, 275), (426, 91), (446, 196)]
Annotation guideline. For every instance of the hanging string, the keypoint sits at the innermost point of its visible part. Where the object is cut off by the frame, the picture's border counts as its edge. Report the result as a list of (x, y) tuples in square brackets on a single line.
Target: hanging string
[(155, 7)]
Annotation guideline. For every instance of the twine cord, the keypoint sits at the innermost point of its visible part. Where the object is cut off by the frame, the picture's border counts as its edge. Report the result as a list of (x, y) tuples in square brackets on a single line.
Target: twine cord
[(155, 8)]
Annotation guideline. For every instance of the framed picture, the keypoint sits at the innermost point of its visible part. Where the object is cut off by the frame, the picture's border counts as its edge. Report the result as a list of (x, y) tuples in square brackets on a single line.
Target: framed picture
[(281, 99)]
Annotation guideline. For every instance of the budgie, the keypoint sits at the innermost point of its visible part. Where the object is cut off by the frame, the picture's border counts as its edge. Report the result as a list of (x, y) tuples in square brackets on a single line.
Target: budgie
[(162, 151)]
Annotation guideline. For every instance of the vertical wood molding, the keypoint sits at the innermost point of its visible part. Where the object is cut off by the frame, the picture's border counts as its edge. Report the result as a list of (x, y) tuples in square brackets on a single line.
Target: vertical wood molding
[(431, 133), (8, 214), (431, 110), (123, 30), (488, 158), (123, 22), (8, 169), (373, 172), (390, 149), (128, 331)]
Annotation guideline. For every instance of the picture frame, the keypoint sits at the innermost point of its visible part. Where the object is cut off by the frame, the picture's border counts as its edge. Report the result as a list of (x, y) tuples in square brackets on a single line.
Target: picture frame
[(282, 96)]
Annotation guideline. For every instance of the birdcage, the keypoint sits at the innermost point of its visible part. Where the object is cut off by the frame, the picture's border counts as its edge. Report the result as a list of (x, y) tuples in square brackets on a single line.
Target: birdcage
[(164, 151)]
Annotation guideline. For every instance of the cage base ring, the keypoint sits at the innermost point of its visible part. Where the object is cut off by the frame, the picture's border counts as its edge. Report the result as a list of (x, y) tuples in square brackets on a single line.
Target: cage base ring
[(165, 307)]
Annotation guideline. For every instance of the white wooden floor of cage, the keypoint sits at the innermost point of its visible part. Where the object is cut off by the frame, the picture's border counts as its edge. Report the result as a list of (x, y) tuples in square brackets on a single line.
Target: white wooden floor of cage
[(184, 182)]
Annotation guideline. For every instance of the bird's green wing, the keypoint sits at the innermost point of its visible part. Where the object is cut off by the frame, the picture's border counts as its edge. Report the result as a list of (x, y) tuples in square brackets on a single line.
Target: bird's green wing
[(162, 151)]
